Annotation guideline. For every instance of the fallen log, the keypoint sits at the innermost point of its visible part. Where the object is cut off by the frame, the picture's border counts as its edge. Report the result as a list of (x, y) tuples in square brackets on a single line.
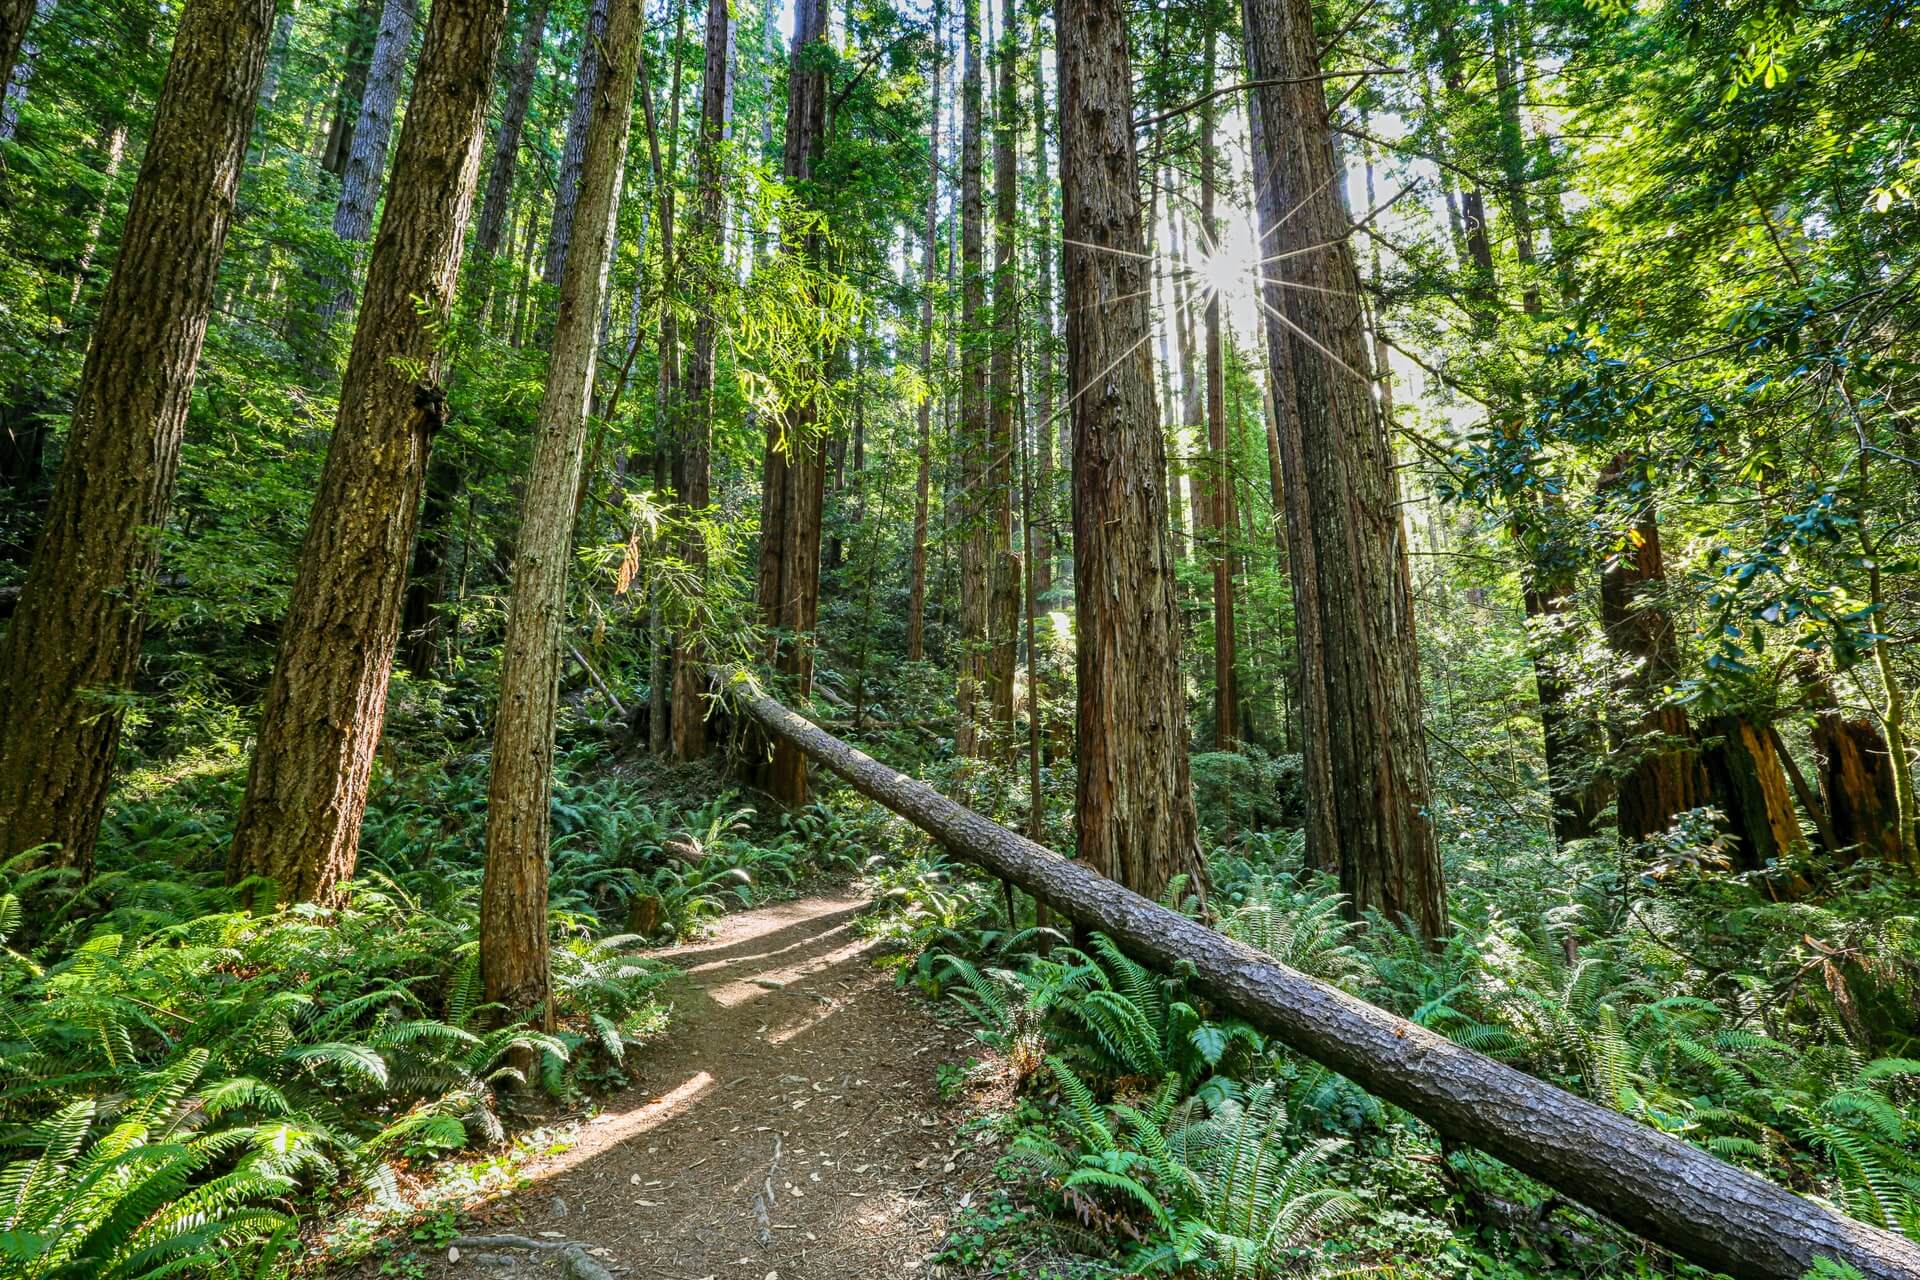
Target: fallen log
[(1665, 1190)]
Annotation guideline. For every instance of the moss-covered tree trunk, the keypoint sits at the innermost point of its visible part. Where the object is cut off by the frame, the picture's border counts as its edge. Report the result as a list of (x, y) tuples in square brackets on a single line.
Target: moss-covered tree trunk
[(513, 895), (326, 703), (1134, 800), (74, 640), (1374, 788)]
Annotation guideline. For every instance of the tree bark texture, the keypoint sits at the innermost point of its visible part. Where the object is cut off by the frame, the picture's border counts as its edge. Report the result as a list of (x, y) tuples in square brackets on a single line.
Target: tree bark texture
[(794, 476), (1288, 457), (917, 589), (1660, 774), (699, 262), (1673, 1194), (367, 161), (326, 703), (1752, 789), (1219, 486), (357, 54), (573, 153), (1374, 790), (74, 641), (513, 895), (15, 17), (1046, 539), (1134, 798), (506, 146), (1004, 564), (1856, 780), (976, 545)]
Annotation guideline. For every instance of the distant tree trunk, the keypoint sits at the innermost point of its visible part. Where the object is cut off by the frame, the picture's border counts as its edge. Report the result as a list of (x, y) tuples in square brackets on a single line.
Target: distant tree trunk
[(1003, 623), (917, 591), (1046, 540), (1661, 776), (573, 153), (1193, 404), (1134, 799), (1287, 459), (427, 579), (1219, 486), (74, 640), (788, 589), (353, 85), (513, 895), (326, 703), (976, 546), (700, 258), (1368, 663), (506, 146), (1573, 745), (1509, 61), (1752, 790), (116, 148), (367, 162)]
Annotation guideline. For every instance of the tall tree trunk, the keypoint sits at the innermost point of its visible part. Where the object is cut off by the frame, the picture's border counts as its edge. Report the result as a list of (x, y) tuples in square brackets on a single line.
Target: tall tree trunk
[(1134, 798), (917, 590), (326, 703), (1219, 486), (573, 153), (75, 635), (1573, 744), (513, 895), (1003, 620), (1509, 58), (367, 162), (1662, 777), (976, 546), (794, 477), (1288, 460), (1856, 783), (1046, 541), (701, 261), (506, 146), (357, 56), (1368, 662)]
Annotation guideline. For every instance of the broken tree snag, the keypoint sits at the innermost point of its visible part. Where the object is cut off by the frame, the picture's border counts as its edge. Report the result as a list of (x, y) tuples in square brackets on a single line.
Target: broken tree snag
[(1662, 776), (1856, 777), (1673, 1194), (1752, 790)]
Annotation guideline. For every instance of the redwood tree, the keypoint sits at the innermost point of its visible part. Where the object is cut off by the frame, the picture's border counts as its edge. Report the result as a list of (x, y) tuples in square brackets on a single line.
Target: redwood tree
[(917, 590), (700, 260), (794, 476), (976, 555), (1372, 797), (326, 703), (1134, 798), (75, 635), (513, 895)]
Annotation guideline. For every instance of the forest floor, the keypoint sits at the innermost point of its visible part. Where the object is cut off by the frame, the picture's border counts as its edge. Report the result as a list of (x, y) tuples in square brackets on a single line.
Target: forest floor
[(787, 1127)]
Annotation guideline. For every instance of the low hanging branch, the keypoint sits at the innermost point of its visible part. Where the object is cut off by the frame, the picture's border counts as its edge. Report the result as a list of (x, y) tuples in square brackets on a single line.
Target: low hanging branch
[(1671, 1193)]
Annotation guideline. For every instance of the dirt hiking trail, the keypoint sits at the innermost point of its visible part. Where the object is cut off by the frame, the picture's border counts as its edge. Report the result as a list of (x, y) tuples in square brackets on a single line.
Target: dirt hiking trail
[(787, 1127)]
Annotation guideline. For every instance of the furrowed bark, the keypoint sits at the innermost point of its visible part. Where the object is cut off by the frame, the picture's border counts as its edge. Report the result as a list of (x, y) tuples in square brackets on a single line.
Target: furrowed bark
[(75, 634), (917, 597), (1134, 798), (1673, 1194), (326, 703), (513, 895)]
